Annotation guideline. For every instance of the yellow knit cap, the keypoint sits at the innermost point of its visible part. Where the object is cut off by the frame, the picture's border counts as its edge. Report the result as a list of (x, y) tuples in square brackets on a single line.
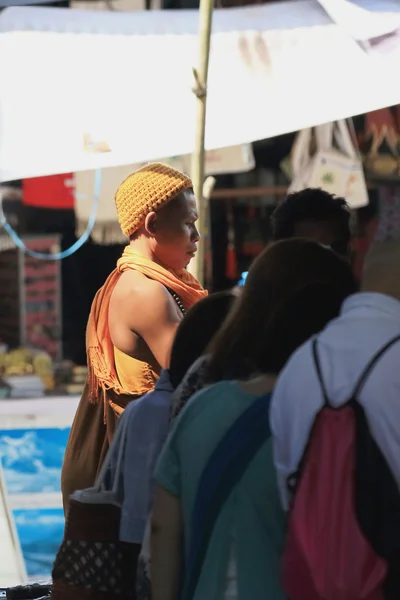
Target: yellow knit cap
[(147, 190)]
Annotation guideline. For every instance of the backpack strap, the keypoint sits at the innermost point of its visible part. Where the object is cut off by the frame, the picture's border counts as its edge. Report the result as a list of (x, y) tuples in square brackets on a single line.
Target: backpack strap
[(319, 372), (224, 469), (368, 369), (364, 375)]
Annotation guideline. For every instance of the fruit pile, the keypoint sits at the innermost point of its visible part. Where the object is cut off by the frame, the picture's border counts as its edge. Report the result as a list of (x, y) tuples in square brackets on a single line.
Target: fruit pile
[(22, 361)]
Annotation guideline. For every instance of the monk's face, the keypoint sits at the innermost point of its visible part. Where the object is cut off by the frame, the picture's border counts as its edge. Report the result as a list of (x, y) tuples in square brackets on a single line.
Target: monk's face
[(176, 234)]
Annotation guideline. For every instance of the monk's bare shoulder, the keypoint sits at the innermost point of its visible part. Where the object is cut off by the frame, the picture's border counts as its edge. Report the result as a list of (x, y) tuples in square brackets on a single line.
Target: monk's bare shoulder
[(140, 301)]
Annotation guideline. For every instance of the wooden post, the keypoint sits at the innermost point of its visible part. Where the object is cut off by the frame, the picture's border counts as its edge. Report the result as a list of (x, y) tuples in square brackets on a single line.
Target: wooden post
[(198, 156)]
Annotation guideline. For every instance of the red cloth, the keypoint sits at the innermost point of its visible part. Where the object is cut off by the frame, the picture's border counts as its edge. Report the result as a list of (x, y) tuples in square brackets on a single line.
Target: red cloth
[(53, 191)]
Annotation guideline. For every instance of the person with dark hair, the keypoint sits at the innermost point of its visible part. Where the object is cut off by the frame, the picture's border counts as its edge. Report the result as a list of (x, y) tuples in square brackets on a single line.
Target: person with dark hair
[(196, 332), (316, 215), (195, 362), (217, 502), (352, 365), (147, 419)]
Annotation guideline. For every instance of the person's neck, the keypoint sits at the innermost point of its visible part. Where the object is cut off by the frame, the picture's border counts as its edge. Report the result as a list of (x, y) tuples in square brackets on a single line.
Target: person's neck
[(386, 286), (141, 246), (259, 384)]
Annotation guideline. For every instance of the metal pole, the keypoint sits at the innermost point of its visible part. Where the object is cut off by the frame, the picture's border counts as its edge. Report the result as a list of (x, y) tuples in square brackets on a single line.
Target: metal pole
[(198, 156)]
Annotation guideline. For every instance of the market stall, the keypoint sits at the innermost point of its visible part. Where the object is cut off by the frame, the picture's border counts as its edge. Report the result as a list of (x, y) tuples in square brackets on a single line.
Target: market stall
[(274, 69)]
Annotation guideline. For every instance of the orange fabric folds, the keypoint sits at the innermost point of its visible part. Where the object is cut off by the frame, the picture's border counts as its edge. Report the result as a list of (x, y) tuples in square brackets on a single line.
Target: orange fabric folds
[(99, 347)]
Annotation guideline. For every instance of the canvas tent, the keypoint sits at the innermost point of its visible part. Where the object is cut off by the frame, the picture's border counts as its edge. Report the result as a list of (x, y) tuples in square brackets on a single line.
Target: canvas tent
[(89, 89)]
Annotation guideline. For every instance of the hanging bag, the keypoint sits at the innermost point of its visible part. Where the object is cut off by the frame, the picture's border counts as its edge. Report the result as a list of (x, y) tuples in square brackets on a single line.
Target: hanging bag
[(335, 166), (92, 564), (382, 136)]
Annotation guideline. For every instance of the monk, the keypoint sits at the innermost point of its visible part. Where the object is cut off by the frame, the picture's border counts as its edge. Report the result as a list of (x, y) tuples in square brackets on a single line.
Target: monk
[(135, 314)]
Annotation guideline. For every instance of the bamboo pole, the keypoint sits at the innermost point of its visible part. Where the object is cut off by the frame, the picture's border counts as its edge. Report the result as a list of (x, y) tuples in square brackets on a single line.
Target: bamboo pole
[(198, 155)]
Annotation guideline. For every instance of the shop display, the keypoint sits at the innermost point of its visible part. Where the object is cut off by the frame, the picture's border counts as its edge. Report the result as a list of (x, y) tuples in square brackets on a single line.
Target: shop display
[(30, 303), (70, 379), (253, 242), (382, 144), (26, 372)]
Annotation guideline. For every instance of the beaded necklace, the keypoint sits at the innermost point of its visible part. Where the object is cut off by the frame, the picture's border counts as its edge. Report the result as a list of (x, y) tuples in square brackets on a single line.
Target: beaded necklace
[(178, 301)]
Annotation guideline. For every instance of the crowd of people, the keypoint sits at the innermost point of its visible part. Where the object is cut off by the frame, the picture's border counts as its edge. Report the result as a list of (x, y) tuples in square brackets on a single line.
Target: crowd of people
[(257, 430)]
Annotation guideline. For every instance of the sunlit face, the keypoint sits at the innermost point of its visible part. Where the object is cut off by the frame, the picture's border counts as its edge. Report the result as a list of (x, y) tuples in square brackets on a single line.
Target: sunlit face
[(175, 233)]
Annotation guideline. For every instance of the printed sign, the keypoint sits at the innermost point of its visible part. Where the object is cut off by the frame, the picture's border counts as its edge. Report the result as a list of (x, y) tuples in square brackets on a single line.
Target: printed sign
[(41, 301)]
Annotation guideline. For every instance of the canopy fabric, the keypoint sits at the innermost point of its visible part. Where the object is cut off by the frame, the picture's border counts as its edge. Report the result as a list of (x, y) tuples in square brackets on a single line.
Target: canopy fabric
[(90, 89)]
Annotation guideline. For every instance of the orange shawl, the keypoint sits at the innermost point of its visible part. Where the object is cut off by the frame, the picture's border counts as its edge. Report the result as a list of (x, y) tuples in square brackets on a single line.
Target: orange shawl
[(99, 347)]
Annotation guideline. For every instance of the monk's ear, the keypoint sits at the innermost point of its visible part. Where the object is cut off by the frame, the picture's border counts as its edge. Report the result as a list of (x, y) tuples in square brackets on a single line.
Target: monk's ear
[(150, 224)]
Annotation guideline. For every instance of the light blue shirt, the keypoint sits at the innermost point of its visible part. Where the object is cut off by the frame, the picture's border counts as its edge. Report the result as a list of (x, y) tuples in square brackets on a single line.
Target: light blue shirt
[(147, 430), (345, 347)]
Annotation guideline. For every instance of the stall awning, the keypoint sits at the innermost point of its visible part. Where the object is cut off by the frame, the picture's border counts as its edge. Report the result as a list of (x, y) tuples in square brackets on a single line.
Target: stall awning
[(89, 89)]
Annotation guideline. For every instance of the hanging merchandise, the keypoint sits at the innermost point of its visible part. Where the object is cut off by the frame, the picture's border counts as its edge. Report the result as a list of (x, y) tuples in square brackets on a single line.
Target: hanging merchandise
[(231, 259), (389, 214), (53, 191), (335, 165), (382, 137), (253, 242)]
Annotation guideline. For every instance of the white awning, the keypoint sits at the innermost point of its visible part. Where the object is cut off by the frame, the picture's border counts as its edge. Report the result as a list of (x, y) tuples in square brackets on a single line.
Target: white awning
[(84, 89)]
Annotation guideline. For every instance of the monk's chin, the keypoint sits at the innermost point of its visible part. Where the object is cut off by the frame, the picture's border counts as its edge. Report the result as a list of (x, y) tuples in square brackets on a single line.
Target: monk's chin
[(189, 260)]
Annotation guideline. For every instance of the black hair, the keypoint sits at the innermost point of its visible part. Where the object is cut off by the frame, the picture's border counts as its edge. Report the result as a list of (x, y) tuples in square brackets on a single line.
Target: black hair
[(196, 331), (315, 205), (293, 289)]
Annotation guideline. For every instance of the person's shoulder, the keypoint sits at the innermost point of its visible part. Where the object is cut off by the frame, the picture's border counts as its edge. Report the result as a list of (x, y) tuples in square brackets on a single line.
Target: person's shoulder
[(140, 289), (148, 414), (207, 399), (156, 398), (298, 364), (142, 302)]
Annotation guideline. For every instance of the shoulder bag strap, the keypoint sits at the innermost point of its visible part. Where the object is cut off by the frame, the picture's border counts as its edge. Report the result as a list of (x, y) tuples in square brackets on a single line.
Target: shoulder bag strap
[(223, 471)]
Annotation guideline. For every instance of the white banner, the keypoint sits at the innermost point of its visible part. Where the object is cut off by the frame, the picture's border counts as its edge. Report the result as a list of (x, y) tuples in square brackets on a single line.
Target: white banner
[(82, 90)]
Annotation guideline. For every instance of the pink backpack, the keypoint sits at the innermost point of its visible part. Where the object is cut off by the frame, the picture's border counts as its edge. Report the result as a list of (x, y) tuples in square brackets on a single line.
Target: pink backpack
[(344, 524)]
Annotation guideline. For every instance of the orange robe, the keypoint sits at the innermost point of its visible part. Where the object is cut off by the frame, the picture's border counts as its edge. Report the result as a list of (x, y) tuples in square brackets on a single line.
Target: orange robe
[(115, 378), (94, 424)]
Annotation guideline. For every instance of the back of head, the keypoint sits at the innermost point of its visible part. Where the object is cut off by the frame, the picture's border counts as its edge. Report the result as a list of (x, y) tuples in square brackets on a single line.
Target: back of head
[(196, 331), (316, 215), (292, 290)]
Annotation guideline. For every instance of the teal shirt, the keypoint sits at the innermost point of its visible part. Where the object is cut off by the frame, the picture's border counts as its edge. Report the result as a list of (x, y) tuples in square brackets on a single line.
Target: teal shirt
[(251, 519)]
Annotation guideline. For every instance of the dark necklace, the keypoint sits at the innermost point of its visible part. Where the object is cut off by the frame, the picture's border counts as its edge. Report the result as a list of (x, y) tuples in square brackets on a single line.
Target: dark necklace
[(178, 301)]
